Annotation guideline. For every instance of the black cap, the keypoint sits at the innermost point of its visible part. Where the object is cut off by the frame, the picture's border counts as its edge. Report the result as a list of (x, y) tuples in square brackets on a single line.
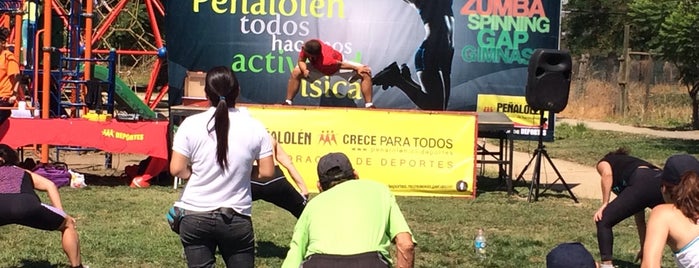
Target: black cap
[(334, 166), (570, 255), (676, 166)]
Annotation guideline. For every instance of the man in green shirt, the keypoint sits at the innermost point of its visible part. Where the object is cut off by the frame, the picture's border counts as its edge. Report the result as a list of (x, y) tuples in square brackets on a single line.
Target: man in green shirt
[(350, 224)]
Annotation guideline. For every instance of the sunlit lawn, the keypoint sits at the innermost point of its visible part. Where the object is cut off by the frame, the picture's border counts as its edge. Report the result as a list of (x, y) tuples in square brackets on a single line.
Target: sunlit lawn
[(124, 227)]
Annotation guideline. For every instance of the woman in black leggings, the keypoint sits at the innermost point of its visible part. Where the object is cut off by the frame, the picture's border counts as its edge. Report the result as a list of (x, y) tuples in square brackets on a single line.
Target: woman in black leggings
[(21, 205), (636, 186)]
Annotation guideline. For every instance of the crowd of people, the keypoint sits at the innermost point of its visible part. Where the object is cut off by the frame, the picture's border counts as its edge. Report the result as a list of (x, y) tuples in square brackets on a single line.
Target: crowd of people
[(229, 159)]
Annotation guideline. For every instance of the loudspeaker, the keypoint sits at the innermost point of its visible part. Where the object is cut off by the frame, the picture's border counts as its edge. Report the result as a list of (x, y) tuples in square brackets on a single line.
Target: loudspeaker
[(548, 80)]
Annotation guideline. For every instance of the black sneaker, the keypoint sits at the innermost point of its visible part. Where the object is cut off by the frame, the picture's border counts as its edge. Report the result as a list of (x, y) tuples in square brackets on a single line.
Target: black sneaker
[(405, 73), (388, 76)]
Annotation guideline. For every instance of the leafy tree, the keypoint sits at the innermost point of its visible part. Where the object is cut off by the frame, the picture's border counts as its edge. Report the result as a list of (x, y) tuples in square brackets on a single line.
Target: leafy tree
[(671, 29), (595, 26)]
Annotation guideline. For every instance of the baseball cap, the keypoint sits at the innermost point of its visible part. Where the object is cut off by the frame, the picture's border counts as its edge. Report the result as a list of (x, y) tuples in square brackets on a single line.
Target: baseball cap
[(570, 255), (334, 166), (676, 166)]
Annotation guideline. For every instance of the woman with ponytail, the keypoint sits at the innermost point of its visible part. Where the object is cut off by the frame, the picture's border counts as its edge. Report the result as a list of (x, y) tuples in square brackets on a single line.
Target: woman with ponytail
[(215, 150), (677, 222)]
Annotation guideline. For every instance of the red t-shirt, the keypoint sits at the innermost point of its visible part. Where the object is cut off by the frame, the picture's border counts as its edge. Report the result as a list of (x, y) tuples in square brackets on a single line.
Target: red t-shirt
[(328, 62)]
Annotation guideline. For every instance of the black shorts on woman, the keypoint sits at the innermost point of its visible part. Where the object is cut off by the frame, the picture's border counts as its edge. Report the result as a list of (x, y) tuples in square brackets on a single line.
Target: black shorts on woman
[(24, 207)]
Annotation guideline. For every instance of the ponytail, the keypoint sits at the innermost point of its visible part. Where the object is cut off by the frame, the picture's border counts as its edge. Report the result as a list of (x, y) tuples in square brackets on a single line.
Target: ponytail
[(221, 89), (686, 195)]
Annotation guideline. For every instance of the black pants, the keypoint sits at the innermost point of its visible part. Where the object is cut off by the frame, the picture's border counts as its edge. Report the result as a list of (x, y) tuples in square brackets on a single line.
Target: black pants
[(279, 192), (643, 191), (364, 260)]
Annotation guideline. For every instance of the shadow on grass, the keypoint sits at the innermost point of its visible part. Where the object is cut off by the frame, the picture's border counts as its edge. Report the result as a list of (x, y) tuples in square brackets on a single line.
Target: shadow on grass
[(267, 249), (685, 127), (37, 264), (625, 264), (486, 184), (522, 188)]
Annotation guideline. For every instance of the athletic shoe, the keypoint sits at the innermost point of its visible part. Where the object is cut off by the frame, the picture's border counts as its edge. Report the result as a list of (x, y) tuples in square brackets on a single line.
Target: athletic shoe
[(405, 73), (141, 181), (388, 76)]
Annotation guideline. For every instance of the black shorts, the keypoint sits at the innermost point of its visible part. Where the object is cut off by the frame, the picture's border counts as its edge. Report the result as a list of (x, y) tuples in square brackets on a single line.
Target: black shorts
[(26, 209), (364, 260)]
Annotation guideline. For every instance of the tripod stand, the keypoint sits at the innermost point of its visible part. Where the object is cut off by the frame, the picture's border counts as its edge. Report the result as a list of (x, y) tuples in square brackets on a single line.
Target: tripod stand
[(538, 153)]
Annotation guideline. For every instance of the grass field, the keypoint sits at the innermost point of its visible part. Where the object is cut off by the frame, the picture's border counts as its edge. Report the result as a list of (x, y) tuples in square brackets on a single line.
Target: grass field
[(123, 227)]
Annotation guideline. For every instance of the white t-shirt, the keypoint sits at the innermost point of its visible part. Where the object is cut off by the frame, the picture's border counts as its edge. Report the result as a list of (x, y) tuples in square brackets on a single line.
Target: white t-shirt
[(211, 187), (688, 256)]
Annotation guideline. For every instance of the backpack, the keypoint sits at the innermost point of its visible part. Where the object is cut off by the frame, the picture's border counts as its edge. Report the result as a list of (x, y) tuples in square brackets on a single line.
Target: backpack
[(56, 172)]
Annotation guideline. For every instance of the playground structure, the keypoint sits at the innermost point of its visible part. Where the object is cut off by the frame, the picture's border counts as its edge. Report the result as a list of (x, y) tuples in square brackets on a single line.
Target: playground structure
[(84, 76)]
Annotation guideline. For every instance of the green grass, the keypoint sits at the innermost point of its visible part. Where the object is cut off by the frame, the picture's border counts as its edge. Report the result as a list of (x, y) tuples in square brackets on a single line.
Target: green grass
[(124, 227), (579, 144)]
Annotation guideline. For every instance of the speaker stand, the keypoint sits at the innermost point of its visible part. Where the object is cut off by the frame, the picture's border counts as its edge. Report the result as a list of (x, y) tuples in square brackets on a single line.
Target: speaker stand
[(540, 152)]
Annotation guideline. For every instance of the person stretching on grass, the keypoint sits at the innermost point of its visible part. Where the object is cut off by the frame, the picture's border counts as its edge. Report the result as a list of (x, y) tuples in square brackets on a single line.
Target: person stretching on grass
[(351, 223), (279, 191), (636, 186), (677, 222), (21, 205)]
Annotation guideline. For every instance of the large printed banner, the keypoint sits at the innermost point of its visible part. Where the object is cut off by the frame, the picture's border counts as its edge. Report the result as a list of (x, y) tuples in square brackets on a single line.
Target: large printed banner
[(414, 153), (438, 54)]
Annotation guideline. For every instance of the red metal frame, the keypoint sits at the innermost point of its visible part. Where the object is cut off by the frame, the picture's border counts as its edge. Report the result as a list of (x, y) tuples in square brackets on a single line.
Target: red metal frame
[(152, 6)]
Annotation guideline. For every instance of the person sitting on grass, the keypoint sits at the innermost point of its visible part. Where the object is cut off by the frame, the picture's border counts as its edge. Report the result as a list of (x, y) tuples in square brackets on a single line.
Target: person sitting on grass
[(677, 222), (21, 205)]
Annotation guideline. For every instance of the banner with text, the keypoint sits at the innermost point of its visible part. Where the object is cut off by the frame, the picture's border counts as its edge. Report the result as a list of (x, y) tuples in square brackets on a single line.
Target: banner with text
[(526, 120), (438, 54), (414, 153)]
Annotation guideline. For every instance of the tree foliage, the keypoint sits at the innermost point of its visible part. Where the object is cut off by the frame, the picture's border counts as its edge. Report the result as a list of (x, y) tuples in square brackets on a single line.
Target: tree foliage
[(595, 26), (671, 30)]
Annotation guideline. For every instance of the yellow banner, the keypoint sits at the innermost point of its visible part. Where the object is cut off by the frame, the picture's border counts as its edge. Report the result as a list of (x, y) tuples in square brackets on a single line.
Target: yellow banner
[(526, 120), (414, 153)]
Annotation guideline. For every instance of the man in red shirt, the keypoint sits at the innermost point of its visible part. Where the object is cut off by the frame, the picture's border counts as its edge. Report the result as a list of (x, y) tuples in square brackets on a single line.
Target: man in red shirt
[(324, 60)]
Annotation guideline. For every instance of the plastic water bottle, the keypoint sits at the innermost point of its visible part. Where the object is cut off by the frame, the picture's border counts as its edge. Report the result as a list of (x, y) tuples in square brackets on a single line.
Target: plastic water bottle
[(480, 244)]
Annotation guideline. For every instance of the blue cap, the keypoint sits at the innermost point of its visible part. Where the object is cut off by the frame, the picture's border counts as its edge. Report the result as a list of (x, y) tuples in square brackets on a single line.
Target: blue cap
[(676, 166), (570, 255)]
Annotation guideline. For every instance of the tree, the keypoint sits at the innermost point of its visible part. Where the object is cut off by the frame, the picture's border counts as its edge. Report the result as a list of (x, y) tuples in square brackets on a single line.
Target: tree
[(670, 29), (595, 26)]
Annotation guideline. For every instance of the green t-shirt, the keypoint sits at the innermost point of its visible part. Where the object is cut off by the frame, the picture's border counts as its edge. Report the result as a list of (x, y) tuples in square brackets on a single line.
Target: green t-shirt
[(353, 217)]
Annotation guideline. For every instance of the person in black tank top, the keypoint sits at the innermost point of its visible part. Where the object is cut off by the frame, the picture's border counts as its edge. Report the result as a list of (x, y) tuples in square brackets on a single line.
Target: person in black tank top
[(636, 187)]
